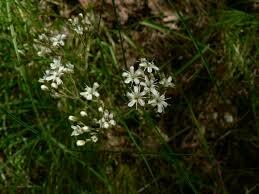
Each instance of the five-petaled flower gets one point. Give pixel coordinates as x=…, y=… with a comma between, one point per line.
x=58, y=40
x=136, y=97
x=90, y=92
x=158, y=101
x=167, y=82
x=132, y=75
x=149, y=65
x=149, y=84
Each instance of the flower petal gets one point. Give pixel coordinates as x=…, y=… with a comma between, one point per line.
x=131, y=103
x=141, y=102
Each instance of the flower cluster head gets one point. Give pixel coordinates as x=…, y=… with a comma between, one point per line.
x=80, y=23
x=53, y=75
x=89, y=133
x=96, y=119
x=147, y=86
x=79, y=128
x=106, y=120
x=46, y=43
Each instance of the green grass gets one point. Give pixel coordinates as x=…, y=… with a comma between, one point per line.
x=213, y=59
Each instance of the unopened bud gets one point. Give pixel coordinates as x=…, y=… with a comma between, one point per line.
x=83, y=113
x=44, y=88
x=72, y=118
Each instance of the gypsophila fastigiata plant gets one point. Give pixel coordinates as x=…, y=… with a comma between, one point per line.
x=59, y=81
x=146, y=86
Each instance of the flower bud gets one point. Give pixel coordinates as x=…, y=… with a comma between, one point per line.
x=54, y=85
x=83, y=113
x=72, y=118
x=44, y=88
x=80, y=142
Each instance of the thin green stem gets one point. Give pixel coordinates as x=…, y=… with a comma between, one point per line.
x=119, y=30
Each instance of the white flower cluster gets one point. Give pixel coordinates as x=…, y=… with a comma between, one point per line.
x=45, y=44
x=54, y=74
x=146, y=85
x=80, y=23
x=92, y=118
x=105, y=120
x=80, y=128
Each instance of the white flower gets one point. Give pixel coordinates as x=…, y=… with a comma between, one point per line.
x=80, y=142
x=167, y=82
x=76, y=26
x=43, y=40
x=94, y=138
x=43, y=37
x=44, y=88
x=81, y=15
x=78, y=130
x=73, y=21
x=56, y=64
x=85, y=128
x=54, y=85
x=100, y=109
x=90, y=92
x=228, y=117
x=148, y=65
x=41, y=80
x=53, y=76
x=79, y=24
x=56, y=95
x=149, y=84
x=42, y=50
x=132, y=75
x=83, y=113
x=56, y=71
x=136, y=97
x=58, y=40
x=158, y=101
x=215, y=115
x=69, y=68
